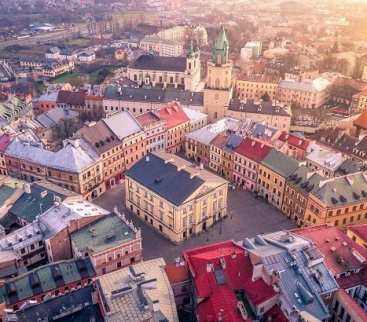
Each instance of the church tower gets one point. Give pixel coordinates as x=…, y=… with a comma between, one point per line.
x=193, y=68
x=218, y=87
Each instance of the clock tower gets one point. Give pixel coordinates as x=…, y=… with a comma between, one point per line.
x=218, y=87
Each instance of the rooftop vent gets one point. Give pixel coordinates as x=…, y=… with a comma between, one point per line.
x=342, y=198
x=158, y=180
x=334, y=201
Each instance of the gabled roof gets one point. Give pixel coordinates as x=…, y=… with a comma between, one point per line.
x=161, y=63
x=344, y=190
x=253, y=149
x=162, y=177
x=71, y=98
x=293, y=140
x=99, y=136
x=218, y=270
x=123, y=124
x=147, y=119
x=280, y=163
x=46, y=278
x=75, y=156
x=30, y=205
x=157, y=95
x=173, y=114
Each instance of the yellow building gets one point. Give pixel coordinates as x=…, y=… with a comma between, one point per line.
x=218, y=88
x=339, y=201
x=256, y=86
x=274, y=169
x=175, y=197
x=358, y=233
x=360, y=101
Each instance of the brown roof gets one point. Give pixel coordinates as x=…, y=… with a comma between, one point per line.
x=71, y=98
x=361, y=121
x=177, y=273
x=147, y=118
x=99, y=136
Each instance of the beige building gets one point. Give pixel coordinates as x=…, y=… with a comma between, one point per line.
x=305, y=93
x=256, y=86
x=138, y=293
x=360, y=101
x=339, y=201
x=75, y=167
x=175, y=197
x=166, y=72
x=218, y=88
x=274, y=169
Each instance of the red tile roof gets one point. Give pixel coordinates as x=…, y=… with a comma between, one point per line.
x=177, y=273
x=341, y=253
x=361, y=121
x=352, y=306
x=173, y=114
x=293, y=140
x=360, y=230
x=253, y=149
x=4, y=142
x=232, y=263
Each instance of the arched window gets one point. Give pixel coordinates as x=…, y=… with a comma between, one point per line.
x=217, y=83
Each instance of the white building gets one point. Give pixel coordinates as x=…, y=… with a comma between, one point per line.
x=252, y=49
x=162, y=47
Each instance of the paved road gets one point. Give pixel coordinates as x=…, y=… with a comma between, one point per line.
x=247, y=217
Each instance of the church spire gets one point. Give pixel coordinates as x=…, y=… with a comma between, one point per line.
x=221, y=48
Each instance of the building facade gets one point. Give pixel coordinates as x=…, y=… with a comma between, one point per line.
x=218, y=88
x=178, y=214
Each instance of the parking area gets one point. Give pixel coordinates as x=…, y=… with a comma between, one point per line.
x=247, y=217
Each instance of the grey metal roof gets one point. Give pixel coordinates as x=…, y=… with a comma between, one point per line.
x=303, y=275
x=52, y=117
x=154, y=95
x=262, y=108
x=123, y=124
x=161, y=63
x=164, y=179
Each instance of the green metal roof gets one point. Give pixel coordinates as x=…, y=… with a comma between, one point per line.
x=5, y=193
x=221, y=48
x=30, y=205
x=70, y=271
x=107, y=232
x=280, y=163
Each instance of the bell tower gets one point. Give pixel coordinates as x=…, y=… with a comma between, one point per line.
x=218, y=86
